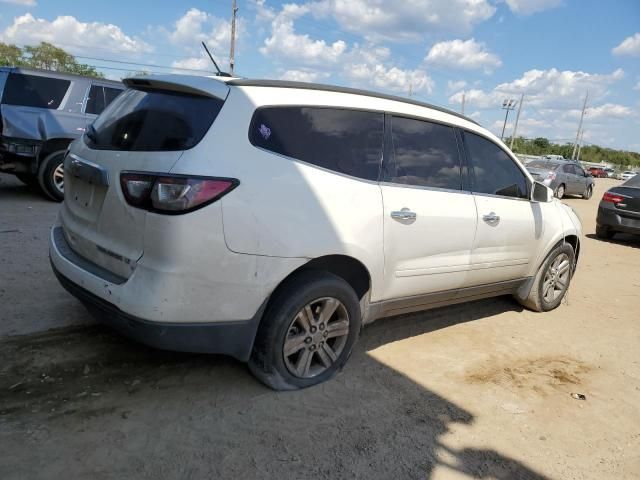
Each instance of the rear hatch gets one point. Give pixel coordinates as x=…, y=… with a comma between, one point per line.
x=146, y=129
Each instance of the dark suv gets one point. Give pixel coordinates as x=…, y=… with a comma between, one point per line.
x=41, y=112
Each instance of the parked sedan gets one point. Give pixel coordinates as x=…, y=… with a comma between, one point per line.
x=619, y=209
x=598, y=172
x=627, y=175
x=564, y=178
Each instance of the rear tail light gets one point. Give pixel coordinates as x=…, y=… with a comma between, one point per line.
x=612, y=197
x=173, y=194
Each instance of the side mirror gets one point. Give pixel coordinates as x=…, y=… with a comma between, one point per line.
x=541, y=193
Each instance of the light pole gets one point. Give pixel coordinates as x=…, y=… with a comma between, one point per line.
x=507, y=104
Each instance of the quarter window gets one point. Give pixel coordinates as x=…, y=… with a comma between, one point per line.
x=424, y=154
x=34, y=91
x=345, y=141
x=494, y=171
x=99, y=98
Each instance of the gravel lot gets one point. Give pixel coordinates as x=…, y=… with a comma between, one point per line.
x=472, y=391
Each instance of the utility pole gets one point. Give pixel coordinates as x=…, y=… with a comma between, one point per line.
x=580, y=145
x=232, y=61
x=584, y=107
x=507, y=104
x=410, y=88
x=515, y=127
x=462, y=106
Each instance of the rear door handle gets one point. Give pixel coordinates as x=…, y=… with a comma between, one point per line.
x=404, y=214
x=491, y=218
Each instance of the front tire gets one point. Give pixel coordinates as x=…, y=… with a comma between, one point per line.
x=588, y=192
x=308, y=332
x=51, y=176
x=552, y=281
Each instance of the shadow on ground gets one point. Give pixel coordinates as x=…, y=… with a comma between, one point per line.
x=624, y=239
x=87, y=403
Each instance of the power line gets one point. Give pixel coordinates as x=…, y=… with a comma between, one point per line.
x=142, y=64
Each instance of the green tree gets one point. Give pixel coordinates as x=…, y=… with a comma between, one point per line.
x=10, y=55
x=50, y=57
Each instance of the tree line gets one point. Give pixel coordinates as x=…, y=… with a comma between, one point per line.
x=46, y=57
x=588, y=153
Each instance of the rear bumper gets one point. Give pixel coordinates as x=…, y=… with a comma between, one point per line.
x=608, y=217
x=233, y=338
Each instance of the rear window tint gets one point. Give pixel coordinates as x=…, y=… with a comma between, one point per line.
x=153, y=120
x=345, y=141
x=34, y=91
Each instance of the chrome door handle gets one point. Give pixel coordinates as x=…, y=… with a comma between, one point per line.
x=491, y=218
x=404, y=214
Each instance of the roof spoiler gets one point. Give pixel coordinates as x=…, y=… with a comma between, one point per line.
x=207, y=86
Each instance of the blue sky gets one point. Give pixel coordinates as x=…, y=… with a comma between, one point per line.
x=553, y=51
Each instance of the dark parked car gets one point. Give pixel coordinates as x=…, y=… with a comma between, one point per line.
x=619, y=210
x=598, y=172
x=563, y=177
x=41, y=112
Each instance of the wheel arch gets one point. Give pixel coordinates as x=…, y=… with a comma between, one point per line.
x=52, y=145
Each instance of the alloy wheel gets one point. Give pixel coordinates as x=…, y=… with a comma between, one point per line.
x=316, y=337
x=58, y=178
x=556, y=278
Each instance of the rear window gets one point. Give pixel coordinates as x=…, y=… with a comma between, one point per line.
x=153, y=120
x=344, y=141
x=34, y=91
x=538, y=164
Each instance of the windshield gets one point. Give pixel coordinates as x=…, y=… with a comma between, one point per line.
x=153, y=120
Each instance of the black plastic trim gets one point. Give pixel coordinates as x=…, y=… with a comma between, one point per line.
x=416, y=303
x=233, y=338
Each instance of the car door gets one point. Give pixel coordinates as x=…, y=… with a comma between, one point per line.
x=509, y=225
x=581, y=179
x=429, y=220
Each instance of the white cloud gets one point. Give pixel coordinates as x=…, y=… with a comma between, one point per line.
x=187, y=66
x=393, y=78
x=24, y=3
x=609, y=110
x=306, y=75
x=629, y=46
x=72, y=35
x=284, y=42
x=197, y=26
x=527, y=7
x=546, y=88
x=463, y=54
x=637, y=87
x=405, y=20
x=453, y=86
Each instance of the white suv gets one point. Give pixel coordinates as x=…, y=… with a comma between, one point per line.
x=269, y=220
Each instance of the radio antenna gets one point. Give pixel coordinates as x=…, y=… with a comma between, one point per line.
x=220, y=72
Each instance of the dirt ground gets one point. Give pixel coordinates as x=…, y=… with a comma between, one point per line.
x=481, y=390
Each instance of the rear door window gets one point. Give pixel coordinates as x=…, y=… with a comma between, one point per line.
x=153, y=120
x=493, y=171
x=99, y=98
x=34, y=91
x=344, y=141
x=424, y=154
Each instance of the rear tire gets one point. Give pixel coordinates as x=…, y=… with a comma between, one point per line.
x=27, y=178
x=308, y=331
x=588, y=192
x=50, y=176
x=552, y=281
x=559, y=193
x=604, y=233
